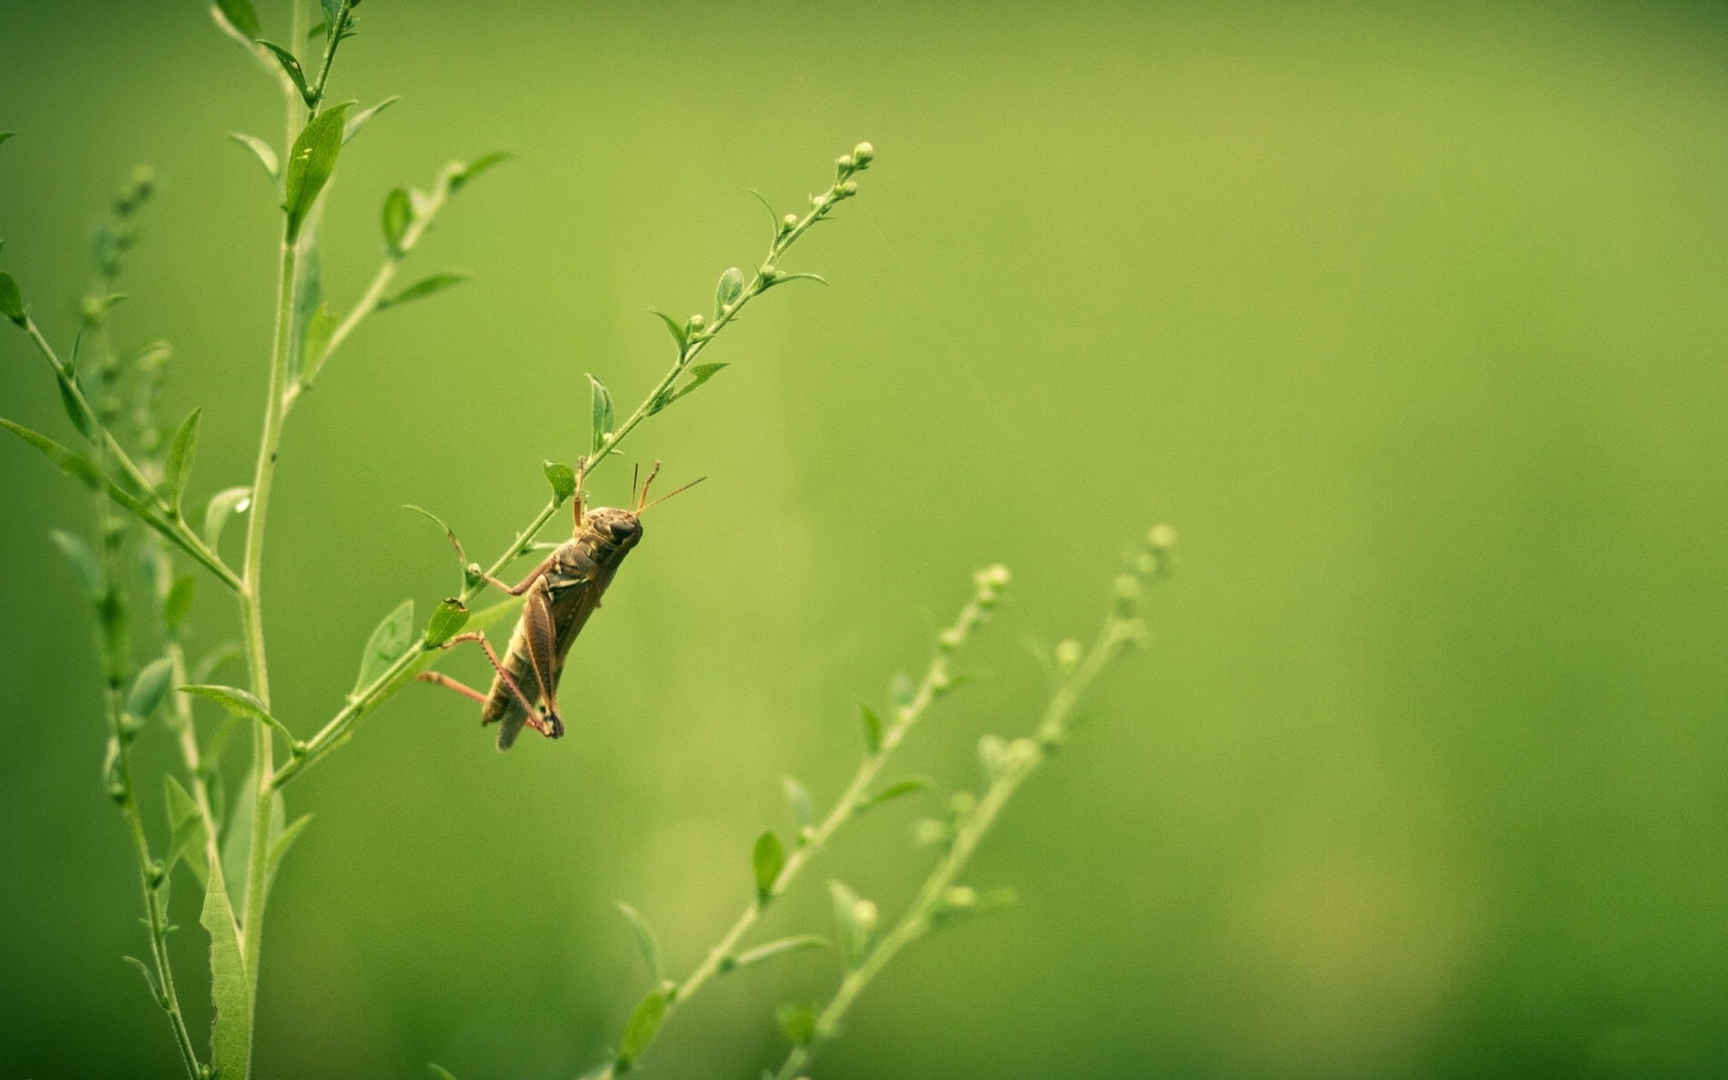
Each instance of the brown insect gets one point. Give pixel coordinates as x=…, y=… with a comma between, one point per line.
x=563, y=592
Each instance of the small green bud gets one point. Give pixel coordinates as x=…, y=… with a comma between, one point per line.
x=848, y=188
x=951, y=638
x=1068, y=655
x=768, y=273
x=1161, y=538
x=697, y=322
x=788, y=223
x=863, y=153
x=865, y=915
x=962, y=803
x=844, y=164
x=940, y=680
x=117, y=791
x=155, y=873
x=960, y=896
x=819, y=201
x=929, y=831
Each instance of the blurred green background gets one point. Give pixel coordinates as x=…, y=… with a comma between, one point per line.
x=1410, y=317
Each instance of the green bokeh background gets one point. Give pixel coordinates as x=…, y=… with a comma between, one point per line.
x=1411, y=318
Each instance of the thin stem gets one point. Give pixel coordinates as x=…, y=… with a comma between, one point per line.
x=332, y=38
x=1022, y=759
x=851, y=802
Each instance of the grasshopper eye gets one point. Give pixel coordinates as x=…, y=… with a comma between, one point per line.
x=625, y=530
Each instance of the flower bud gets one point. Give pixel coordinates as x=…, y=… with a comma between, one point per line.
x=863, y=153
x=848, y=188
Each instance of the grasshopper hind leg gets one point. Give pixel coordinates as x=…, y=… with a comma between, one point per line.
x=547, y=723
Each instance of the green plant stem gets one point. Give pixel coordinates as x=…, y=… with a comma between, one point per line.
x=929, y=903
x=164, y=518
x=850, y=804
x=332, y=38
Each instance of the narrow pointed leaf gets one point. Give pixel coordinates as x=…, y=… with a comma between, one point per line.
x=773, y=215
x=149, y=979
x=149, y=687
x=263, y=151
x=849, y=917
x=390, y=639
x=397, y=216
x=798, y=799
x=797, y=1023
x=11, y=301
x=241, y=703
x=782, y=947
x=699, y=374
x=360, y=119
x=224, y=503
x=231, y=1034
x=178, y=602
x=315, y=339
x=78, y=553
x=450, y=617
x=4, y=135
x=186, y=831
x=426, y=286
x=439, y=1072
x=872, y=728
x=728, y=289
x=895, y=791
x=180, y=455
x=645, y=941
x=766, y=859
x=71, y=462
x=291, y=65
x=279, y=847
x=473, y=169
x=677, y=329
x=310, y=164
x=901, y=691
x=600, y=413
x=639, y=1032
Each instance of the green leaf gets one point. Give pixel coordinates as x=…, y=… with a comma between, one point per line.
x=359, y=119
x=562, y=478
x=439, y=1072
x=766, y=859
x=783, y=278
x=798, y=798
x=425, y=287
x=78, y=553
x=855, y=917
x=4, y=135
x=11, y=300
x=901, y=690
x=180, y=454
x=797, y=1023
x=73, y=401
x=450, y=616
x=728, y=289
x=993, y=755
x=469, y=170
x=600, y=402
x=228, y=501
x=187, y=840
x=677, y=329
x=71, y=462
x=773, y=215
x=310, y=164
x=895, y=791
x=283, y=840
x=332, y=11
x=645, y=941
x=231, y=1034
x=149, y=687
x=872, y=728
x=240, y=16
x=291, y=65
x=240, y=703
x=699, y=374
x=390, y=639
x=261, y=150
x=768, y=951
x=398, y=215
x=178, y=602
x=315, y=338
x=639, y=1032
x=149, y=980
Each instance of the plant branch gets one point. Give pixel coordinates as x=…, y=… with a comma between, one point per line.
x=853, y=800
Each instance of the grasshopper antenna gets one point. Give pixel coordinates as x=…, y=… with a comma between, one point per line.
x=576, y=501
x=635, y=470
x=643, y=497
x=644, y=509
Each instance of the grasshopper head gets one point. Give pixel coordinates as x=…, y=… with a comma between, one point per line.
x=620, y=528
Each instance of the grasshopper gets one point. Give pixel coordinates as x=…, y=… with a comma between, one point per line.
x=563, y=592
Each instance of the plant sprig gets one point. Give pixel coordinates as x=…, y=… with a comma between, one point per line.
x=1008, y=765
x=913, y=701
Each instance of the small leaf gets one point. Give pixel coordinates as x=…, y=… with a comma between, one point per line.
x=425, y=287
x=699, y=374
x=470, y=170
x=390, y=639
x=677, y=328
x=11, y=301
x=639, y=1032
x=279, y=847
x=187, y=840
x=562, y=478
x=291, y=65
x=901, y=691
x=215, y=658
x=4, y=135
x=71, y=462
x=73, y=401
x=180, y=455
x=797, y=1023
x=231, y=1034
x=359, y=119
x=332, y=11
x=149, y=980
x=178, y=602
x=78, y=553
x=262, y=150
x=241, y=16
x=782, y=278
x=241, y=703
x=896, y=790
x=855, y=917
x=993, y=755
x=773, y=215
x=310, y=164
x=600, y=413
x=798, y=799
x=782, y=947
x=645, y=941
x=872, y=728
x=398, y=215
x=449, y=617
x=228, y=501
x=149, y=687
x=439, y=1072
x=729, y=288
x=766, y=859
x=315, y=339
